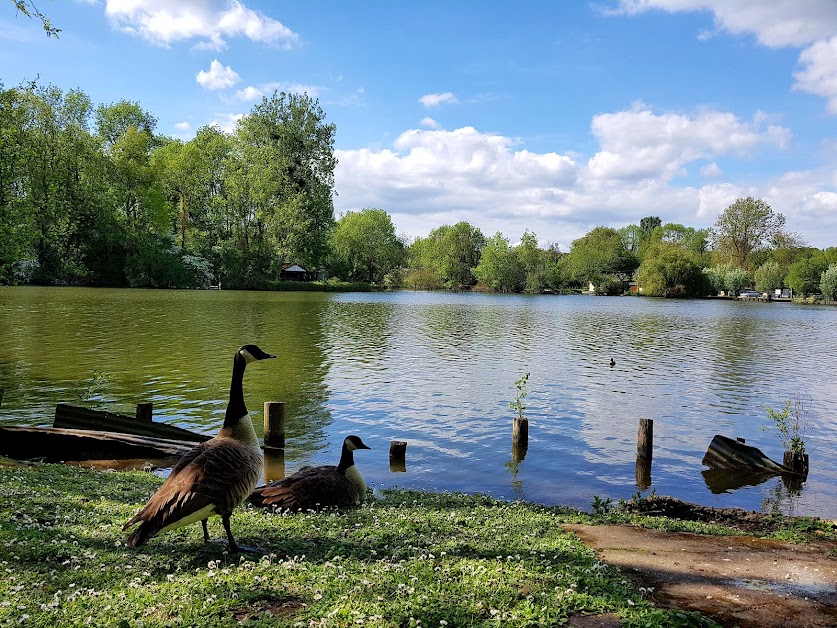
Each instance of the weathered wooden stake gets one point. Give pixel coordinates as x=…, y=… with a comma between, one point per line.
x=520, y=433
x=274, y=423
x=145, y=411
x=274, y=464
x=645, y=439
x=796, y=462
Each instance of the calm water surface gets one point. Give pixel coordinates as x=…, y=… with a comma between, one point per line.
x=438, y=370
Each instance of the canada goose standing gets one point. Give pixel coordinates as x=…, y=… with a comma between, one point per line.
x=311, y=488
x=215, y=476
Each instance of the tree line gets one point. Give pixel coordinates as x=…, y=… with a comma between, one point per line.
x=92, y=195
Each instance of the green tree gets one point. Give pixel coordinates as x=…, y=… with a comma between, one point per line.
x=828, y=283
x=746, y=226
x=283, y=175
x=533, y=262
x=365, y=242
x=805, y=274
x=28, y=8
x=449, y=254
x=499, y=268
x=179, y=166
x=727, y=277
x=769, y=276
x=669, y=270
x=599, y=253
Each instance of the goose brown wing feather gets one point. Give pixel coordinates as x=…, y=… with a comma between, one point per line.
x=308, y=489
x=220, y=473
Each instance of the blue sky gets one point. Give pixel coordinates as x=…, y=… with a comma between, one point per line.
x=550, y=116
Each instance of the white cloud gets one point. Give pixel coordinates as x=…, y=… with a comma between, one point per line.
x=251, y=92
x=163, y=22
x=429, y=177
x=777, y=24
x=711, y=171
x=183, y=126
x=226, y=121
x=217, y=77
x=429, y=122
x=434, y=100
x=819, y=76
x=639, y=144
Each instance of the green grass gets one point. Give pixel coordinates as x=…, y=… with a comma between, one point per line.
x=411, y=559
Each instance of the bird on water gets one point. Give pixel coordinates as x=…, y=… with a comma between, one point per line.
x=612, y=362
x=312, y=488
x=212, y=478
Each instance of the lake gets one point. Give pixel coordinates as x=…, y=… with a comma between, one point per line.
x=438, y=370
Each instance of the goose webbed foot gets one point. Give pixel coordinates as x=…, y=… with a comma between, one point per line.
x=234, y=547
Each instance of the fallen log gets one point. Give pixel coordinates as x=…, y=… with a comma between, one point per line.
x=76, y=418
x=734, y=455
x=59, y=445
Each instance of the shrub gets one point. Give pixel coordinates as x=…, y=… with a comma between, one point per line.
x=828, y=283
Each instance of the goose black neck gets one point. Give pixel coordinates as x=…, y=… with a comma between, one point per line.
x=236, y=408
x=347, y=459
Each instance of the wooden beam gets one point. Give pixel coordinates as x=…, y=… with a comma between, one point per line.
x=73, y=417
x=58, y=445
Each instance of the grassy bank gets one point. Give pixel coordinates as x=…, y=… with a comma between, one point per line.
x=411, y=559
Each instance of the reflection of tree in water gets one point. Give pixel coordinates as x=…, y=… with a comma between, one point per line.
x=512, y=465
x=784, y=497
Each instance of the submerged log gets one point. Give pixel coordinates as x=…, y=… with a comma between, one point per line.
x=731, y=454
x=59, y=445
x=75, y=418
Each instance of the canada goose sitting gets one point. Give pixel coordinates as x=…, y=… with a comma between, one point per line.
x=312, y=488
x=612, y=362
x=215, y=476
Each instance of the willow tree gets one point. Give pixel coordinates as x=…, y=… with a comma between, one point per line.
x=746, y=226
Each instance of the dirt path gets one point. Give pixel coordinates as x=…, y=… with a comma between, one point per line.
x=737, y=580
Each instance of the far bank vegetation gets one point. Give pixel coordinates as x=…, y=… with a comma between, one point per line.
x=93, y=195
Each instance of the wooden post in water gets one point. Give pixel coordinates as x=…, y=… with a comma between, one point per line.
x=645, y=439
x=397, y=456
x=2, y=390
x=145, y=411
x=520, y=438
x=274, y=423
x=796, y=462
x=520, y=433
x=644, y=451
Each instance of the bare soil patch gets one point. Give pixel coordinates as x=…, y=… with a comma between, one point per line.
x=737, y=580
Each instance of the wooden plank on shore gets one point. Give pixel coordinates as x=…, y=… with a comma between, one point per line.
x=729, y=453
x=76, y=418
x=58, y=445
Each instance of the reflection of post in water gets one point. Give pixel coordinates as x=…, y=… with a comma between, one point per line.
x=519, y=451
x=643, y=473
x=397, y=456
x=274, y=464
